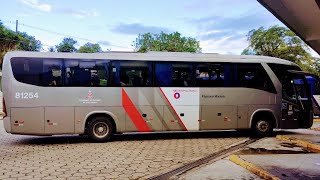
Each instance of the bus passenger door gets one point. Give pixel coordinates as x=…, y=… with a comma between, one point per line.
x=296, y=102
x=59, y=120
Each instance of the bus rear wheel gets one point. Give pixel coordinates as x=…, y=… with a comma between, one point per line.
x=100, y=129
x=262, y=127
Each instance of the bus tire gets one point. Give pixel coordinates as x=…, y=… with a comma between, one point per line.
x=262, y=127
x=100, y=129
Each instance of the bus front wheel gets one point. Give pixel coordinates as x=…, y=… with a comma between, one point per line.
x=262, y=127
x=100, y=129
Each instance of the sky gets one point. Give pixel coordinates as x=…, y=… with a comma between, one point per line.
x=221, y=26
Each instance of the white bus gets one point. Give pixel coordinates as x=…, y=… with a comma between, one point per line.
x=106, y=93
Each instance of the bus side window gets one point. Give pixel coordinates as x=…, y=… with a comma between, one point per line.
x=210, y=75
x=253, y=75
x=52, y=72
x=182, y=75
x=131, y=73
x=86, y=73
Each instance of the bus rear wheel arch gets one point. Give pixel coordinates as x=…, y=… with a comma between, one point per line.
x=263, y=123
x=100, y=128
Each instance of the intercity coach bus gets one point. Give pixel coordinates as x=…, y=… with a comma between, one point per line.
x=116, y=92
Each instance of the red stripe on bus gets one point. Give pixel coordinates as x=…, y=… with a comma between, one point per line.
x=184, y=127
x=133, y=113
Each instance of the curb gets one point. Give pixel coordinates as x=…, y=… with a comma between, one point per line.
x=315, y=129
x=308, y=145
x=251, y=167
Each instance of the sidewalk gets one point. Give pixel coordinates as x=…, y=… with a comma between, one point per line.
x=279, y=158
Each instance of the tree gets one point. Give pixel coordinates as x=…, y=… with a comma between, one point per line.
x=52, y=49
x=90, y=48
x=282, y=43
x=67, y=45
x=28, y=43
x=8, y=40
x=173, y=42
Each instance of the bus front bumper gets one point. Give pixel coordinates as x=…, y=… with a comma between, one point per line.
x=6, y=124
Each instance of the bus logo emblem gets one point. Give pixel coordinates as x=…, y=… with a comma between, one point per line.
x=89, y=95
x=90, y=99
x=176, y=95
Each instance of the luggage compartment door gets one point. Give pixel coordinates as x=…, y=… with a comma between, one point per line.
x=218, y=117
x=27, y=120
x=59, y=120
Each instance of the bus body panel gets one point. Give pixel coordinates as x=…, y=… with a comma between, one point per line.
x=243, y=119
x=6, y=124
x=59, y=120
x=218, y=117
x=28, y=120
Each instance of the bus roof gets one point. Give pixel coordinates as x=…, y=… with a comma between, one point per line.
x=153, y=56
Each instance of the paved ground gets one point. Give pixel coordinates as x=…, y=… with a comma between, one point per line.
x=222, y=169
x=127, y=157
x=282, y=159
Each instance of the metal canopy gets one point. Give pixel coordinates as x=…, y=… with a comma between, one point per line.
x=301, y=16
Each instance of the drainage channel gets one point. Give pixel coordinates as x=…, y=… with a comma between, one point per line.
x=189, y=166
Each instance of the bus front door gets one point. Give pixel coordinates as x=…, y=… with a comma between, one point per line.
x=296, y=103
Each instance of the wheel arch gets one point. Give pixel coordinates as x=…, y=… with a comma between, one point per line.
x=108, y=114
x=260, y=112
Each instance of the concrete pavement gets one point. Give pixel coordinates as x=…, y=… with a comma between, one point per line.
x=134, y=156
x=281, y=159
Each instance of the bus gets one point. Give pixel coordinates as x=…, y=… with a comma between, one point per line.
x=314, y=83
x=102, y=94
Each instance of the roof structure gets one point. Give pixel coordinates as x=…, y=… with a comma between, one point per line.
x=301, y=16
x=152, y=56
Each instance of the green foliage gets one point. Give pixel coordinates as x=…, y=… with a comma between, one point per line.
x=282, y=43
x=52, y=49
x=67, y=45
x=173, y=42
x=10, y=41
x=90, y=48
x=28, y=43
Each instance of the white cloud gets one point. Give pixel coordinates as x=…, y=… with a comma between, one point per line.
x=37, y=5
x=84, y=13
x=80, y=13
x=225, y=45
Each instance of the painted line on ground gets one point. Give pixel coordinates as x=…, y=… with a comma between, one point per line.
x=316, y=120
x=308, y=145
x=252, y=168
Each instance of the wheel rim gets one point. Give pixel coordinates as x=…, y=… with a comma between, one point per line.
x=101, y=129
x=263, y=126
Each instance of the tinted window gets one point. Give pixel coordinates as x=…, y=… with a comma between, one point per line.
x=59, y=72
x=86, y=73
x=281, y=70
x=212, y=75
x=131, y=73
x=252, y=76
x=40, y=72
x=174, y=74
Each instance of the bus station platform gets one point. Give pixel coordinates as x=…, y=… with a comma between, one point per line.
x=269, y=158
